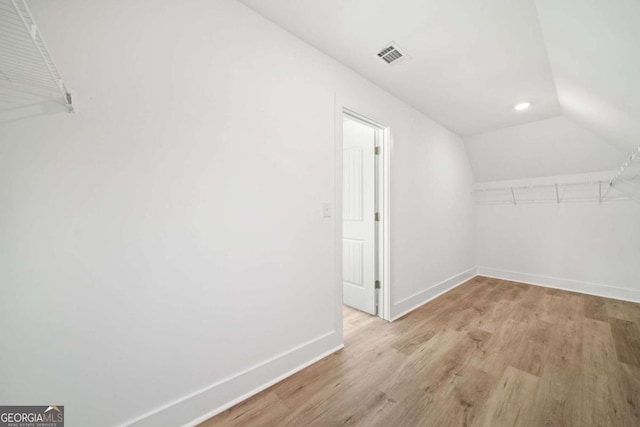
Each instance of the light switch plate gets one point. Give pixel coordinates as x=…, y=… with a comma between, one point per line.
x=326, y=210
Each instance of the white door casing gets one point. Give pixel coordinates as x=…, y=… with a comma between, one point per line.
x=359, y=226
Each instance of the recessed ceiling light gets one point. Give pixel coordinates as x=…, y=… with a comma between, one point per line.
x=522, y=106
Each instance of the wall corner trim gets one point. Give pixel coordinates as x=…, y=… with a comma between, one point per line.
x=418, y=299
x=197, y=407
x=589, y=288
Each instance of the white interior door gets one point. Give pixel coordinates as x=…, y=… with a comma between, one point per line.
x=359, y=226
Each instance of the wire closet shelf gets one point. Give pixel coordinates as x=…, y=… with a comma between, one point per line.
x=627, y=180
x=625, y=185
x=28, y=73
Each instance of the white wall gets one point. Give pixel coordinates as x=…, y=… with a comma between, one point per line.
x=164, y=247
x=543, y=148
x=585, y=247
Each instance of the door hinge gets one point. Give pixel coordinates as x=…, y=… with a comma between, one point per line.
x=377, y=150
x=377, y=216
x=377, y=284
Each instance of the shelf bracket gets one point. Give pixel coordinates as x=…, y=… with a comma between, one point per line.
x=600, y=192
x=23, y=12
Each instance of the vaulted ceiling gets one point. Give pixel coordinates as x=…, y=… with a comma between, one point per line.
x=471, y=61
x=594, y=49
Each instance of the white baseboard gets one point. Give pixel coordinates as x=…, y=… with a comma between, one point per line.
x=589, y=288
x=203, y=404
x=408, y=304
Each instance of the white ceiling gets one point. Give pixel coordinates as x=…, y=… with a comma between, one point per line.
x=471, y=60
x=594, y=48
x=577, y=61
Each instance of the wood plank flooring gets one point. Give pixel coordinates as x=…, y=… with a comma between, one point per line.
x=487, y=353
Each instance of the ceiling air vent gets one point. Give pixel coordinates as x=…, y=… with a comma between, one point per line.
x=392, y=54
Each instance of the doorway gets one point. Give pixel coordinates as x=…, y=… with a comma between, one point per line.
x=364, y=214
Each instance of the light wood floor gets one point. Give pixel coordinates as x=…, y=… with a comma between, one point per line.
x=488, y=353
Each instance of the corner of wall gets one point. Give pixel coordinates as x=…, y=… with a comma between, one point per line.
x=416, y=300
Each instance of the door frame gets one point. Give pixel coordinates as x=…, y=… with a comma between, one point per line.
x=383, y=185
